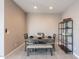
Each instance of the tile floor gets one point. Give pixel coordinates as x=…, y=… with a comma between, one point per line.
x=58, y=54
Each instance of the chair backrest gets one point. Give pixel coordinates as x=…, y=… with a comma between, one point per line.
x=49, y=37
x=26, y=36
x=54, y=37
x=41, y=35
x=31, y=37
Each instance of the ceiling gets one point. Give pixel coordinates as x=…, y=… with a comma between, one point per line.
x=43, y=5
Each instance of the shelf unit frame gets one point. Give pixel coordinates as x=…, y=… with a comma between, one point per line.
x=63, y=38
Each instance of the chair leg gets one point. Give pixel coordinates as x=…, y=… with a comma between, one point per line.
x=25, y=46
x=51, y=51
x=46, y=50
x=54, y=47
x=28, y=52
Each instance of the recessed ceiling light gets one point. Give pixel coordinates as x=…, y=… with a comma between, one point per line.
x=35, y=7
x=50, y=7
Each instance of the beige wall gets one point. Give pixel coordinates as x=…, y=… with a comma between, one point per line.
x=15, y=24
x=46, y=23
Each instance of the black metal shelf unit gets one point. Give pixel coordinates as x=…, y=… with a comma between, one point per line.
x=65, y=35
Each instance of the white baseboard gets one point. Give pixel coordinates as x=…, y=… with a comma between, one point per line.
x=14, y=50
x=76, y=55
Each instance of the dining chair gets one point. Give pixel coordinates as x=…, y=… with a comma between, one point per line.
x=25, y=37
x=54, y=39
